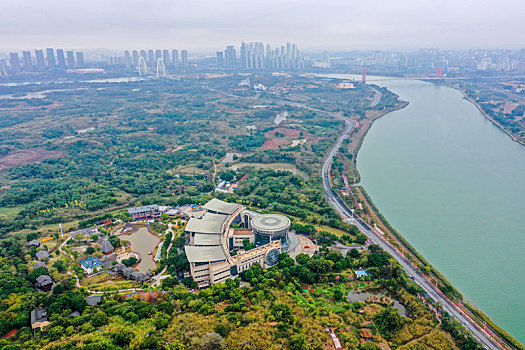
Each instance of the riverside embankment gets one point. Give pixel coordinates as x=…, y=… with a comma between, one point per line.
x=452, y=184
x=488, y=116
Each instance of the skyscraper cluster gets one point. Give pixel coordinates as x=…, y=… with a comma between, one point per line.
x=132, y=59
x=450, y=61
x=256, y=55
x=40, y=64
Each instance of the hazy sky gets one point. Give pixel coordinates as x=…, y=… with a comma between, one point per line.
x=208, y=25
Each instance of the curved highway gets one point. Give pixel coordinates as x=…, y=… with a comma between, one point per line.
x=342, y=209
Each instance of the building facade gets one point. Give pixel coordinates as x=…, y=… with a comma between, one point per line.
x=215, y=248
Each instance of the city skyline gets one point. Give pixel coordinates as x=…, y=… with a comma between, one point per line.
x=206, y=26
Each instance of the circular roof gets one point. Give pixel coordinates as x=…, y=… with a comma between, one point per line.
x=271, y=222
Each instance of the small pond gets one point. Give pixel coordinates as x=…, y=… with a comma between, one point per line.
x=143, y=243
x=361, y=296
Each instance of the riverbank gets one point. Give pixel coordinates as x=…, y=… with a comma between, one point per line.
x=473, y=312
x=362, y=128
x=482, y=111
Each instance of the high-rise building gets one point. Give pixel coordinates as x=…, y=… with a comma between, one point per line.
x=14, y=62
x=184, y=55
x=60, y=58
x=244, y=55
x=40, y=63
x=230, y=56
x=70, y=58
x=127, y=59
x=28, y=62
x=175, y=56
x=80, y=59
x=50, y=57
x=166, y=57
x=257, y=55
x=151, y=58
x=220, y=59
x=326, y=58
x=158, y=55
x=135, y=58
x=3, y=69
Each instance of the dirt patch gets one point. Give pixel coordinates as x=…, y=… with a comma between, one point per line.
x=288, y=133
x=27, y=156
x=273, y=143
x=508, y=107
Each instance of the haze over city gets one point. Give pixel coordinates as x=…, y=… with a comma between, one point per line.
x=204, y=26
x=284, y=174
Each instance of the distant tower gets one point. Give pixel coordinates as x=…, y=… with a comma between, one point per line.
x=127, y=59
x=60, y=58
x=326, y=59
x=151, y=58
x=363, y=77
x=50, y=57
x=80, y=59
x=175, y=55
x=166, y=57
x=438, y=74
x=184, y=55
x=28, y=62
x=230, y=56
x=135, y=58
x=70, y=59
x=40, y=62
x=14, y=61
x=220, y=59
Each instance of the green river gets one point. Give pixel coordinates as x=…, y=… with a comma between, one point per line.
x=453, y=185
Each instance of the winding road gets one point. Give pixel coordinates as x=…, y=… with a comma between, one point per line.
x=342, y=209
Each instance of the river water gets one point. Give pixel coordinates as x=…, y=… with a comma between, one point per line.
x=453, y=184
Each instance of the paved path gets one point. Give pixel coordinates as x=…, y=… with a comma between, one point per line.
x=377, y=97
x=157, y=279
x=341, y=208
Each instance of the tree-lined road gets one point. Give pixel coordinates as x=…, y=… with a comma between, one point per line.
x=342, y=209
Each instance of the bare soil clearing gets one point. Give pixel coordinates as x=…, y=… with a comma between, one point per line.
x=26, y=156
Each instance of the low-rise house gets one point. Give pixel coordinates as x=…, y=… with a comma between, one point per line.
x=42, y=255
x=39, y=318
x=39, y=265
x=144, y=212
x=93, y=300
x=106, y=246
x=44, y=282
x=34, y=243
x=86, y=234
x=130, y=273
x=91, y=265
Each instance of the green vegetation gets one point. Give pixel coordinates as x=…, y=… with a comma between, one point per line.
x=285, y=307
x=503, y=101
x=163, y=142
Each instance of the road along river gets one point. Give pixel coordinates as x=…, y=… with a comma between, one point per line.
x=346, y=214
x=453, y=185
